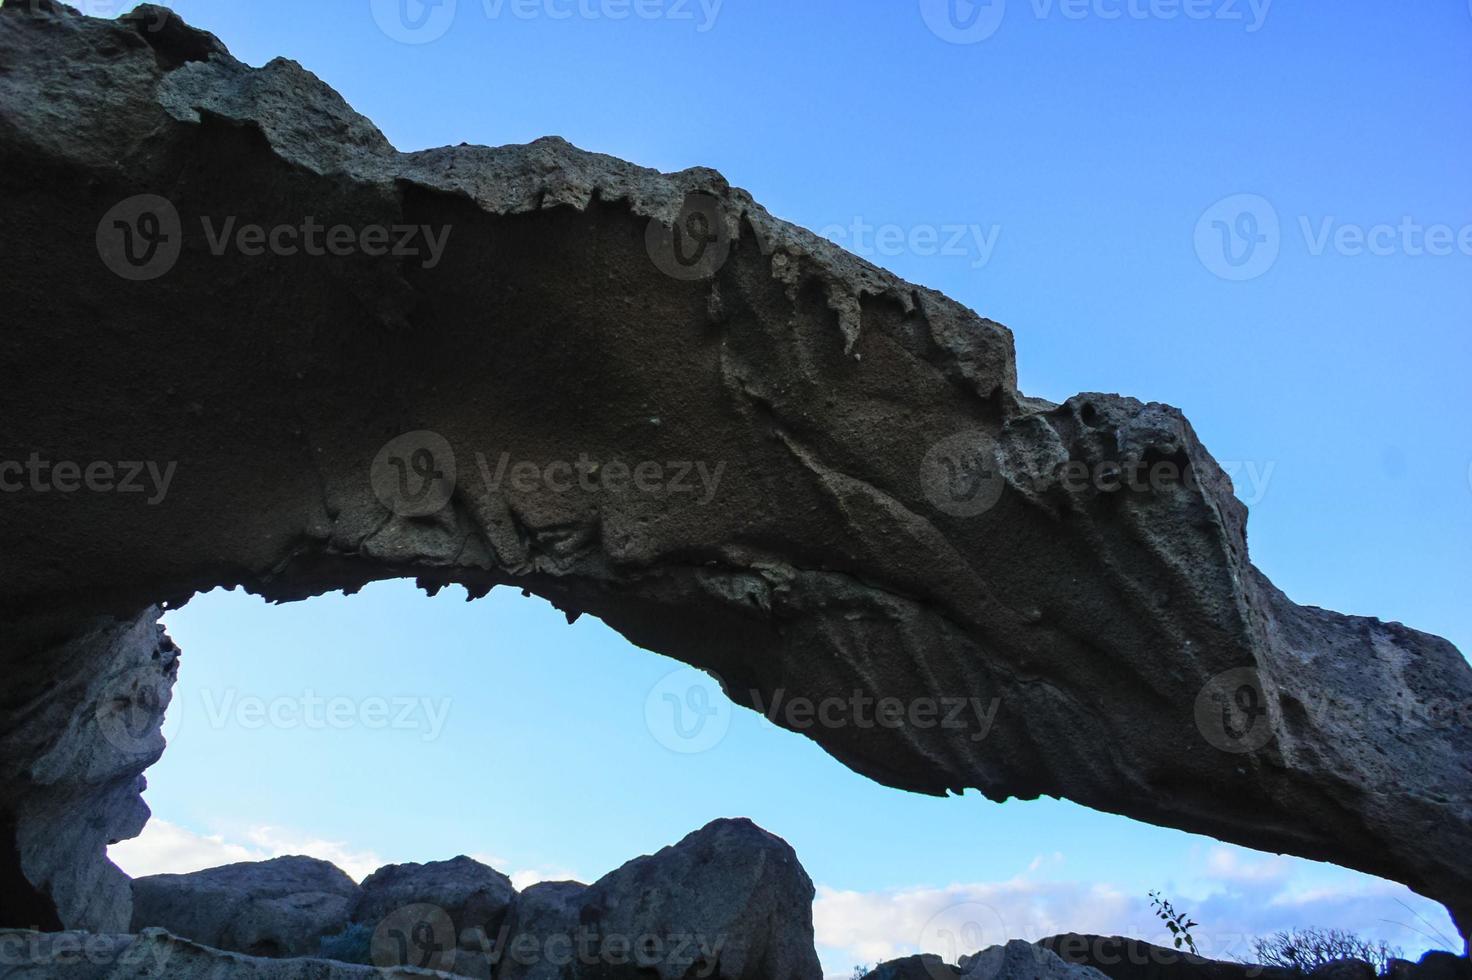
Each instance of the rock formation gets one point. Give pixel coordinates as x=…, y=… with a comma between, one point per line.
x=730, y=902
x=476, y=898
x=262, y=347
x=1016, y=960
x=1120, y=958
x=280, y=907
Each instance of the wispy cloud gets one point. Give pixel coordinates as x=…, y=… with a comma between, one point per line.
x=1236, y=895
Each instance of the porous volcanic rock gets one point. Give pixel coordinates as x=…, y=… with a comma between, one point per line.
x=281, y=907
x=729, y=901
x=750, y=450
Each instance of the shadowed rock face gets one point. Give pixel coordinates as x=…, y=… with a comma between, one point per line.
x=882, y=513
x=280, y=907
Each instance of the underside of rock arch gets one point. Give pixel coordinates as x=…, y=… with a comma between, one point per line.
x=307, y=422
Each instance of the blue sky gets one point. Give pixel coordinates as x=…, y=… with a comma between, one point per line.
x=1237, y=212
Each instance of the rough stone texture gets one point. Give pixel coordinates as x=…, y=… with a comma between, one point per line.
x=280, y=907
x=927, y=966
x=729, y=902
x=79, y=722
x=473, y=895
x=1132, y=959
x=543, y=913
x=156, y=955
x=833, y=557
x=1022, y=960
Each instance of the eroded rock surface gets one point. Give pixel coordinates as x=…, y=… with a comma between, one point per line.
x=281, y=907
x=882, y=513
x=80, y=720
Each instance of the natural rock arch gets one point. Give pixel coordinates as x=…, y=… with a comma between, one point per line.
x=291, y=393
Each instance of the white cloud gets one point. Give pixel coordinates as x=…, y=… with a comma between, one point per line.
x=1238, y=895
x=276, y=842
x=166, y=848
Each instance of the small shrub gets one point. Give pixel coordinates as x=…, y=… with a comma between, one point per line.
x=1305, y=949
x=1179, y=923
x=350, y=946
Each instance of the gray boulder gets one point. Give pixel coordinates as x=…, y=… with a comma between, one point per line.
x=1021, y=960
x=729, y=902
x=281, y=907
x=473, y=895
x=927, y=966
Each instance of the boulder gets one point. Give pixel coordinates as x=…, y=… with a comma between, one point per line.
x=1022, y=960
x=281, y=907
x=474, y=896
x=853, y=499
x=730, y=902
x=926, y=966
x=1120, y=958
